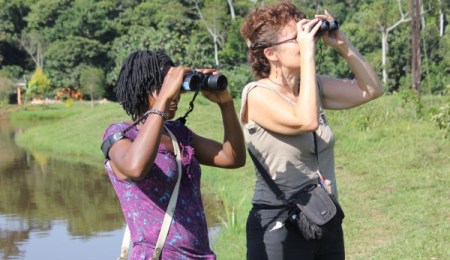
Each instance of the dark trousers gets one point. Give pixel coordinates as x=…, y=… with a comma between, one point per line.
x=268, y=238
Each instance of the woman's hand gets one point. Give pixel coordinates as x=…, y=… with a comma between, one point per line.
x=216, y=96
x=306, y=31
x=172, y=83
x=231, y=152
x=334, y=38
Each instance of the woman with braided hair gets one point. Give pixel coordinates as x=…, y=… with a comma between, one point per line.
x=141, y=163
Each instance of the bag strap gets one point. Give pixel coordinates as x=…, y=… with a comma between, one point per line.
x=172, y=203
x=316, y=153
x=169, y=212
x=125, y=244
x=321, y=178
x=273, y=186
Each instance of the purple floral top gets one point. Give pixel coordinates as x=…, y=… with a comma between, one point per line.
x=144, y=202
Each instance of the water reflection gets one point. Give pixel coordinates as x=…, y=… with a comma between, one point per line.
x=39, y=195
x=52, y=209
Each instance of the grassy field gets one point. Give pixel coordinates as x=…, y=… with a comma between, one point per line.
x=392, y=165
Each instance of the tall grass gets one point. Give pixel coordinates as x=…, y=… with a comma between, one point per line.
x=392, y=165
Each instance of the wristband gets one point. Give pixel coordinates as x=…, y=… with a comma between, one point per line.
x=156, y=112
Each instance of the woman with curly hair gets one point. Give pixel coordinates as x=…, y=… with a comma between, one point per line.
x=279, y=114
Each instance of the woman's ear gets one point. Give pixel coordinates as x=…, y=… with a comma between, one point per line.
x=270, y=54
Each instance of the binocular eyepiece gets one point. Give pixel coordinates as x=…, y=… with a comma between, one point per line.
x=196, y=80
x=327, y=26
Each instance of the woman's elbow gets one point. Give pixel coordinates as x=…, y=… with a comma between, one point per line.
x=379, y=92
x=311, y=126
x=240, y=161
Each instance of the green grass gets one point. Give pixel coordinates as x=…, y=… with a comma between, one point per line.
x=393, y=171
x=392, y=165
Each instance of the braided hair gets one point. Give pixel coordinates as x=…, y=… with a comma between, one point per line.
x=141, y=74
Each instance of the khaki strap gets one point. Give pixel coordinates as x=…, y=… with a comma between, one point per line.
x=169, y=212
x=172, y=203
x=125, y=244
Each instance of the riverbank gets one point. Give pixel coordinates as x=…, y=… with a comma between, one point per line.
x=392, y=169
x=7, y=109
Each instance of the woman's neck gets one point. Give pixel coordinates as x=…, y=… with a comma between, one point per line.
x=285, y=86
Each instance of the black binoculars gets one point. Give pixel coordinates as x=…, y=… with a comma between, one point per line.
x=196, y=80
x=327, y=26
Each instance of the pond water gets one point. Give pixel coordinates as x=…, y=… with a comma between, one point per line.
x=53, y=209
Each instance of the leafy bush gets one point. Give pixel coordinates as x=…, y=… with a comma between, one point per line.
x=6, y=86
x=39, y=83
x=442, y=119
x=238, y=77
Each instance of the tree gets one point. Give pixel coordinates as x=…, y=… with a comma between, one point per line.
x=387, y=21
x=231, y=6
x=139, y=37
x=443, y=7
x=65, y=59
x=87, y=19
x=234, y=51
x=92, y=81
x=212, y=17
x=6, y=85
x=12, y=17
x=39, y=84
x=35, y=45
x=416, y=69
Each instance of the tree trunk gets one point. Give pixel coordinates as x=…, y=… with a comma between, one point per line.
x=441, y=20
x=416, y=69
x=384, y=50
x=385, y=29
x=216, y=51
x=230, y=4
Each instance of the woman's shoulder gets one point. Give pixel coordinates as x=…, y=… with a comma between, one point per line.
x=114, y=128
x=260, y=84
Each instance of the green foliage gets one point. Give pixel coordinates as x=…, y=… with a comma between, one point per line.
x=13, y=72
x=66, y=58
x=9, y=75
x=148, y=38
x=86, y=19
x=237, y=77
x=6, y=85
x=44, y=13
x=38, y=84
x=77, y=33
x=12, y=14
x=153, y=14
x=92, y=81
x=411, y=98
x=198, y=51
x=234, y=49
x=441, y=118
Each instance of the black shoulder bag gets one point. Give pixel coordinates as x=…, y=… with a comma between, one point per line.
x=313, y=210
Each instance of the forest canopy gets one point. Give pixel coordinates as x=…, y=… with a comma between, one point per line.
x=69, y=39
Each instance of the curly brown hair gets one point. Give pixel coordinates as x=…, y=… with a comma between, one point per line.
x=260, y=30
